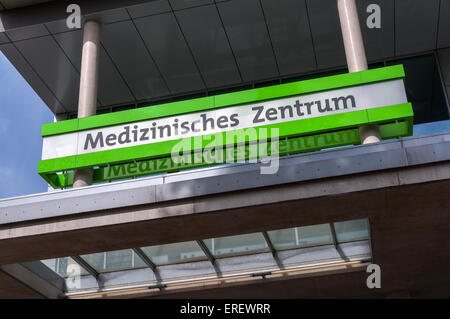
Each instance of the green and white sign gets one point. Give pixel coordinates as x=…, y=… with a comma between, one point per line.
x=325, y=111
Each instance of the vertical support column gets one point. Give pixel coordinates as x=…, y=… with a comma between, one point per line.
x=87, y=100
x=356, y=56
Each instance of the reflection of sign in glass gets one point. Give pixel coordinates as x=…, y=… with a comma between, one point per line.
x=73, y=280
x=300, y=109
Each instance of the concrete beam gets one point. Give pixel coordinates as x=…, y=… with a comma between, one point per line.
x=296, y=204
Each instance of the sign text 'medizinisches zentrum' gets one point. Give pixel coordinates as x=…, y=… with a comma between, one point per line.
x=226, y=119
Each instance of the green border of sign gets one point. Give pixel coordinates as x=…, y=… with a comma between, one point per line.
x=394, y=121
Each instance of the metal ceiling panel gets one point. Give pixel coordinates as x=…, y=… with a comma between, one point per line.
x=249, y=39
x=149, y=8
x=288, y=25
x=53, y=67
x=184, y=4
x=379, y=43
x=166, y=43
x=444, y=25
x=32, y=78
x=127, y=50
x=207, y=39
x=57, y=26
x=110, y=16
x=27, y=32
x=3, y=38
x=106, y=17
x=326, y=33
x=415, y=25
x=111, y=87
x=10, y=4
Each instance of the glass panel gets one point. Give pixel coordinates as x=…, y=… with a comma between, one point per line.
x=120, y=259
x=64, y=266
x=174, y=253
x=114, y=260
x=315, y=235
x=51, y=263
x=352, y=230
x=283, y=238
x=97, y=260
x=237, y=245
x=137, y=262
x=424, y=88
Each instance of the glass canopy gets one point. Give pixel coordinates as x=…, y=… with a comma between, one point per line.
x=212, y=249
x=174, y=253
x=305, y=236
x=114, y=260
x=236, y=245
x=65, y=266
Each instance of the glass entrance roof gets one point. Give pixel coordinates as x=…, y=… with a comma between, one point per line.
x=273, y=250
x=174, y=253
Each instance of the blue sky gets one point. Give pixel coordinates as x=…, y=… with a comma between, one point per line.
x=22, y=113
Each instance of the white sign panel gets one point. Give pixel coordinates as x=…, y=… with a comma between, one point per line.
x=294, y=108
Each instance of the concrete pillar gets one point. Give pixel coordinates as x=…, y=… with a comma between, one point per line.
x=356, y=56
x=87, y=100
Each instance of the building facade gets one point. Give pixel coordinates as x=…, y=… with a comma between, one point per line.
x=349, y=195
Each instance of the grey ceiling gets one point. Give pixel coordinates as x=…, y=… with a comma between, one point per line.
x=165, y=48
x=12, y=4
